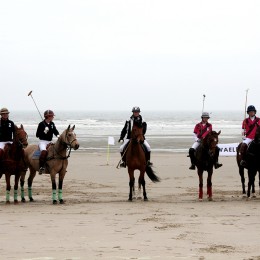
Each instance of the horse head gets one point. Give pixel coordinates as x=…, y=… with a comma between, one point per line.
x=68, y=138
x=21, y=136
x=211, y=142
x=137, y=134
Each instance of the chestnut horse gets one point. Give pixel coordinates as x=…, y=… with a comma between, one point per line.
x=57, y=162
x=136, y=160
x=253, y=164
x=205, y=157
x=13, y=161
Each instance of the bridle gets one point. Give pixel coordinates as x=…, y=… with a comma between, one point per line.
x=21, y=141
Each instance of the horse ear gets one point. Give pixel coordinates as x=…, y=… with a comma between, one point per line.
x=22, y=126
x=68, y=128
x=73, y=128
x=219, y=132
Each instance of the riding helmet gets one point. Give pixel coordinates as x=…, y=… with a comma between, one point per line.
x=48, y=113
x=205, y=115
x=251, y=108
x=136, y=109
x=4, y=110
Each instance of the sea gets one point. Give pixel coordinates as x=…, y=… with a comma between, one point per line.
x=167, y=131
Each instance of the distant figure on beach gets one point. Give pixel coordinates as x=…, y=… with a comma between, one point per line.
x=45, y=131
x=136, y=119
x=249, y=127
x=7, y=130
x=201, y=130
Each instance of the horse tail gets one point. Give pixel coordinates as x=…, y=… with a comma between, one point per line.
x=151, y=174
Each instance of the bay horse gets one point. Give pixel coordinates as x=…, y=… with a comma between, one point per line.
x=204, y=160
x=13, y=161
x=253, y=165
x=56, y=163
x=136, y=160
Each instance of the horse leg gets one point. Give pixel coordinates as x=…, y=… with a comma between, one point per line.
x=54, y=188
x=200, y=174
x=209, y=185
x=61, y=177
x=16, y=183
x=29, y=183
x=131, y=184
x=242, y=176
x=142, y=182
x=250, y=181
x=8, y=188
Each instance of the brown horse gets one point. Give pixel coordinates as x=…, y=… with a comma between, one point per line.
x=136, y=160
x=253, y=165
x=205, y=157
x=57, y=162
x=13, y=161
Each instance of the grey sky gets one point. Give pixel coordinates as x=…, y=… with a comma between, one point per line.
x=114, y=54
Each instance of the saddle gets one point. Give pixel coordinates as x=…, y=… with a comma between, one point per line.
x=37, y=153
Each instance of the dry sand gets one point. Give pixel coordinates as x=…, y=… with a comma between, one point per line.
x=97, y=221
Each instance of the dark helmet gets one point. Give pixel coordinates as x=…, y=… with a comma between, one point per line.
x=136, y=109
x=250, y=108
x=48, y=113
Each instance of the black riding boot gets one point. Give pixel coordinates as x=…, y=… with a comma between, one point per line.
x=148, y=158
x=216, y=163
x=242, y=152
x=192, y=158
x=42, y=161
x=122, y=164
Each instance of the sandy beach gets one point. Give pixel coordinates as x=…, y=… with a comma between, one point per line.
x=97, y=221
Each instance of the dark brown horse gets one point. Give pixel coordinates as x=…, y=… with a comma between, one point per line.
x=205, y=157
x=57, y=162
x=136, y=160
x=253, y=165
x=13, y=161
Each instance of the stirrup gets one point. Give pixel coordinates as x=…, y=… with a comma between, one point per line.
x=123, y=164
x=192, y=167
x=243, y=163
x=217, y=165
x=41, y=170
x=149, y=163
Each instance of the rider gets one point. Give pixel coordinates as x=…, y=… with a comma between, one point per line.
x=136, y=119
x=7, y=130
x=249, y=127
x=45, y=132
x=200, y=132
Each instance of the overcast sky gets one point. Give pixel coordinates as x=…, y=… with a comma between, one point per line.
x=114, y=54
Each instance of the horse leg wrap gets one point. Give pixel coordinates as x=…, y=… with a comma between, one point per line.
x=22, y=192
x=30, y=192
x=54, y=195
x=15, y=195
x=209, y=191
x=60, y=195
x=7, y=195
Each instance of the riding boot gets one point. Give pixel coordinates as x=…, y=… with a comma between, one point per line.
x=216, y=163
x=1, y=157
x=42, y=161
x=242, y=152
x=148, y=158
x=192, y=158
x=123, y=164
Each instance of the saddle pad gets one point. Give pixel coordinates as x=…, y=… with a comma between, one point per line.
x=36, y=155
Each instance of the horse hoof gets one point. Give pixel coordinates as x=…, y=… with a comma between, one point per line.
x=200, y=199
x=23, y=200
x=62, y=201
x=253, y=195
x=16, y=202
x=31, y=199
x=130, y=199
x=145, y=199
x=210, y=199
x=54, y=202
x=7, y=202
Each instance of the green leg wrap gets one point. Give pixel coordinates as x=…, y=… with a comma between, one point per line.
x=15, y=194
x=60, y=195
x=22, y=192
x=30, y=192
x=53, y=194
x=7, y=195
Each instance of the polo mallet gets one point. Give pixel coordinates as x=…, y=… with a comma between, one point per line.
x=203, y=102
x=30, y=94
x=122, y=156
x=245, y=110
